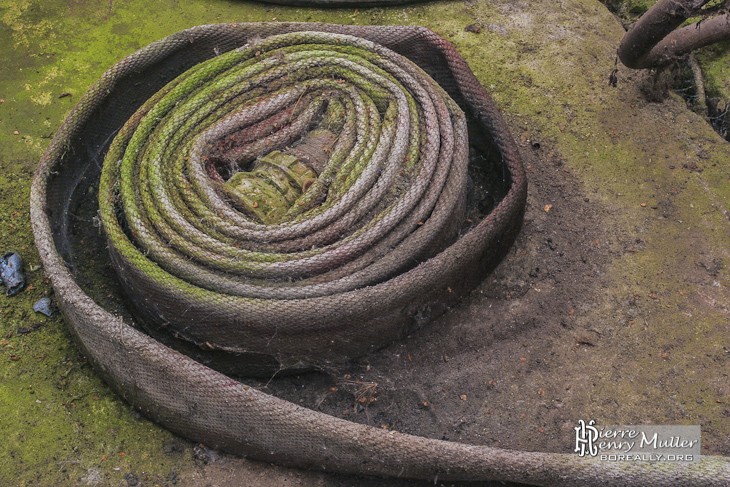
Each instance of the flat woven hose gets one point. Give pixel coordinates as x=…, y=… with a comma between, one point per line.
x=208, y=406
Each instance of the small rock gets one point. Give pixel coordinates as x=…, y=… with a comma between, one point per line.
x=93, y=477
x=132, y=480
x=43, y=305
x=11, y=273
x=204, y=454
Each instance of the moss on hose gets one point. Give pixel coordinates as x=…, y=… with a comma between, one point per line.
x=388, y=197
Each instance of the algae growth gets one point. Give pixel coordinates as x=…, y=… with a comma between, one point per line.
x=616, y=293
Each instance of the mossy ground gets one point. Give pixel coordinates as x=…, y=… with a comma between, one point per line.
x=615, y=296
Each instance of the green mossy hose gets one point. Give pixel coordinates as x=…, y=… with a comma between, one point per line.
x=386, y=199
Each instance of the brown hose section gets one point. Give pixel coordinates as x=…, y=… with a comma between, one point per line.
x=653, y=41
x=206, y=406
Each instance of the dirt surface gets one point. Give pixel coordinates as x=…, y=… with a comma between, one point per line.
x=548, y=338
x=612, y=305
x=543, y=341
x=485, y=373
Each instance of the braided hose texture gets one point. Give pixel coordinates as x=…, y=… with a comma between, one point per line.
x=205, y=405
x=298, y=290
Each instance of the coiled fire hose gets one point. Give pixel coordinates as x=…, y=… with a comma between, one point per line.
x=207, y=406
x=269, y=190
